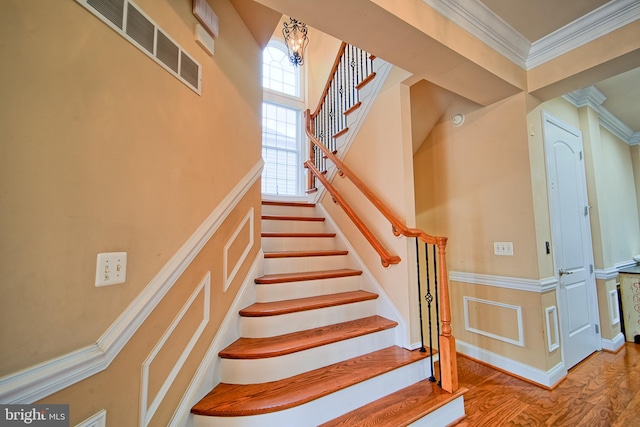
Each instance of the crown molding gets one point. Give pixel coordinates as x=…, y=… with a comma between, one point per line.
x=607, y=18
x=592, y=97
x=475, y=18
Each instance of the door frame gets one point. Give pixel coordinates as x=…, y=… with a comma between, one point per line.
x=592, y=286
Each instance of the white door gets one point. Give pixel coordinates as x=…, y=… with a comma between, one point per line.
x=571, y=234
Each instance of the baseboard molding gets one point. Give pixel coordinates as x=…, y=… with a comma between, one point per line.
x=515, y=283
x=614, y=344
x=207, y=376
x=39, y=381
x=544, y=378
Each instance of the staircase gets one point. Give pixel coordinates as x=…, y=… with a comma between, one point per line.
x=313, y=349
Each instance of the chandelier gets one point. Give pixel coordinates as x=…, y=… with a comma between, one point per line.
x=295, y=37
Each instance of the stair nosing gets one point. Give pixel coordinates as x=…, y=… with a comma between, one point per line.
x=306, y=304
x=288, y=204
x=269, y=279
x=296, y=235
x=314, y=383
x=258, y=348
x=301, y=254
x=292, y=218
x=412, y=403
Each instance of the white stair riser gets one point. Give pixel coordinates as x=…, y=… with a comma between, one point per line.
x=353, y=117
x=254, y=371
x=444, y=416
x=278, y=244
x=289, y=210
x=270, y=326
x=308, y=263
x=280, y=226
x=328, y=407
x=307, y=288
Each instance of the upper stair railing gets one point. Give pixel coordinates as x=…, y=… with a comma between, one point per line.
x=352, y=69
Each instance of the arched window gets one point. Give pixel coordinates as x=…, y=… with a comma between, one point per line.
x=278, y=74
x=281, y=123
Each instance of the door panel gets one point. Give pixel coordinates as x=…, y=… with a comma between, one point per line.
x=571, y=235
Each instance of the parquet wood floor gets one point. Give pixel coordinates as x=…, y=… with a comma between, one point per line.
x=603, y=390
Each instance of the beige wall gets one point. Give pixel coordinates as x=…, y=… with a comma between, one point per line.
x=103, y=150
x=117, y=389
x=621, y=198
x=473, y=185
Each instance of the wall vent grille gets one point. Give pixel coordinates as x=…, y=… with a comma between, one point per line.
x=140, y=28
x=113, y=10
x=167, y=52
x=189, y=69
x=128, y=20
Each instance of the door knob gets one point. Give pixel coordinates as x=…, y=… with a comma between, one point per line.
x=562, y=272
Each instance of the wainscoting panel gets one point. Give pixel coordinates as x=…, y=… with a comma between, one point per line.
x=496, y=320
x=149, y=377
x=551, y=322
x=97, y=420
x=237, y=248
x=614, y=307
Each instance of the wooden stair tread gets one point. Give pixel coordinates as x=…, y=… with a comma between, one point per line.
x=251, y=399
x=298, y=254
x=304, y=235
x=258, y=348
x=398, y=409
x=261, y=309
x=305, y=275
x=290, y=204
x=292, y=218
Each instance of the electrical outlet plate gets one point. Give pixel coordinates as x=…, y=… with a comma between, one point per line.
x=503, y=248
x=111, y=268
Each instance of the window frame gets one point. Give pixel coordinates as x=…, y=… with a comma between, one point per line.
x=283, y=99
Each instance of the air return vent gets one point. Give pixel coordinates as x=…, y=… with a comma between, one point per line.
x=113, y=10
x=167, y=52
x=139, y=29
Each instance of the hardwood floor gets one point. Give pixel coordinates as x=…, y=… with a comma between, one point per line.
x=603, y=390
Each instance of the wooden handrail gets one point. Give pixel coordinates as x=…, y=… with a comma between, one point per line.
x=398, y=226
x=448, y=362
x=336, y=62
x=385, y=256
x=447, y=344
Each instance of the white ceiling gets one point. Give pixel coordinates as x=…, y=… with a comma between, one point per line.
x=531, y=32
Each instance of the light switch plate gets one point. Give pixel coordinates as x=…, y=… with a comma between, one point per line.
x=111, y=268
x=503, y=248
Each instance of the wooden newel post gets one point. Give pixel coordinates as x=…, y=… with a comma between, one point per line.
x=310, y=178
x=448, y=361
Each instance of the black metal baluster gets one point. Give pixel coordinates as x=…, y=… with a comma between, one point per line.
x=429, y=298
x=347, y=61
x=435, y=281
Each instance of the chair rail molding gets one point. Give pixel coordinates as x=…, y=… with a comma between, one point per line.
x=516, y=283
